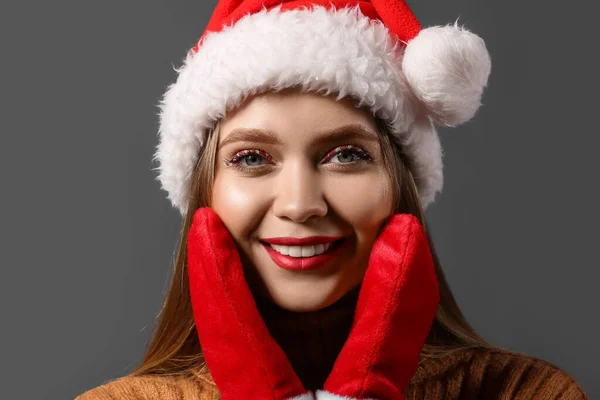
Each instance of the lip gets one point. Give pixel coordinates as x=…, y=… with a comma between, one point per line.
x=304, y=263
x=307, y=241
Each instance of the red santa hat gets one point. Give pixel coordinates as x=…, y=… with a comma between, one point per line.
x=374, y=52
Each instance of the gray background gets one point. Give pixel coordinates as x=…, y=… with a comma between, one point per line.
x=88, y=237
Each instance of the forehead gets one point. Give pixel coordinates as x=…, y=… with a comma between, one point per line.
x=294, y=113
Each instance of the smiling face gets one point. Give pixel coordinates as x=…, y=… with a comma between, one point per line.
x=301, y=185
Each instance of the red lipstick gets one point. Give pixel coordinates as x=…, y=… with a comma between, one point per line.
x=304, y=263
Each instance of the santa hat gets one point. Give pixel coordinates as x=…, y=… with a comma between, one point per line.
x=374, y=52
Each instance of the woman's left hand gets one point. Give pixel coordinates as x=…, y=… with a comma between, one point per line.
x=396, y=306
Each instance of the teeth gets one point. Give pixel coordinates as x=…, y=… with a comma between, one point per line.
x=285, y=250
x=295, y=251
x=301, y=251
x=308, y=251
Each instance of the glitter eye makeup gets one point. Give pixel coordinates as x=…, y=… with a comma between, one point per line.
x=341, y=156
x=247, y=159
x=355, y=153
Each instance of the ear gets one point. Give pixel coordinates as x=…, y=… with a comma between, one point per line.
x=447, y=68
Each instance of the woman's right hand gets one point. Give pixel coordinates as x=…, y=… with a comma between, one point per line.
x=242, y=357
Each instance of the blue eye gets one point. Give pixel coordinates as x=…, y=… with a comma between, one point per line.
x=251, y=160
x=346, y=155
x=247, y=159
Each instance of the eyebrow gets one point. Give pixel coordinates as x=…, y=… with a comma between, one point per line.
x=353, y=131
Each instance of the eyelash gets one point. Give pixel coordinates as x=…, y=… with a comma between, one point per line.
x=354, y=150
x=240, y=155
x=237, y=158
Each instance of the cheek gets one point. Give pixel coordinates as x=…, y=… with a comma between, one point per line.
x=240, y=203
x=364, y=201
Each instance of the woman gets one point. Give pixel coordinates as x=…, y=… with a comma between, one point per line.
x=298, y=144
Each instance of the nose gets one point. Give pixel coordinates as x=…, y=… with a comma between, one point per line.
x=299, y=195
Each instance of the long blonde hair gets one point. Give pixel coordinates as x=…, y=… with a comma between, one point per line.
x=175, y=348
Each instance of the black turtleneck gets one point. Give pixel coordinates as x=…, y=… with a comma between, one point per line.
x=311, y=340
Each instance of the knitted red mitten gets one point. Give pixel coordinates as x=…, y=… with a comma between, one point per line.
x=242, y=357
x=396, y=306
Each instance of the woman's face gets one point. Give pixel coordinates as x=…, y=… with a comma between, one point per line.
x=301, y=186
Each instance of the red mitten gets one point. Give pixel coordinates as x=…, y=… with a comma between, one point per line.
x=242, y=357
x=396, y=307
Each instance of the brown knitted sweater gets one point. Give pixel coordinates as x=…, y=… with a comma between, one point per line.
x=313, y=340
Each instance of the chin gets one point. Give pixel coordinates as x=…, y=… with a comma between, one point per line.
x=305, y=296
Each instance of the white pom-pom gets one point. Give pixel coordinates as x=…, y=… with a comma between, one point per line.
x=447, y=68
